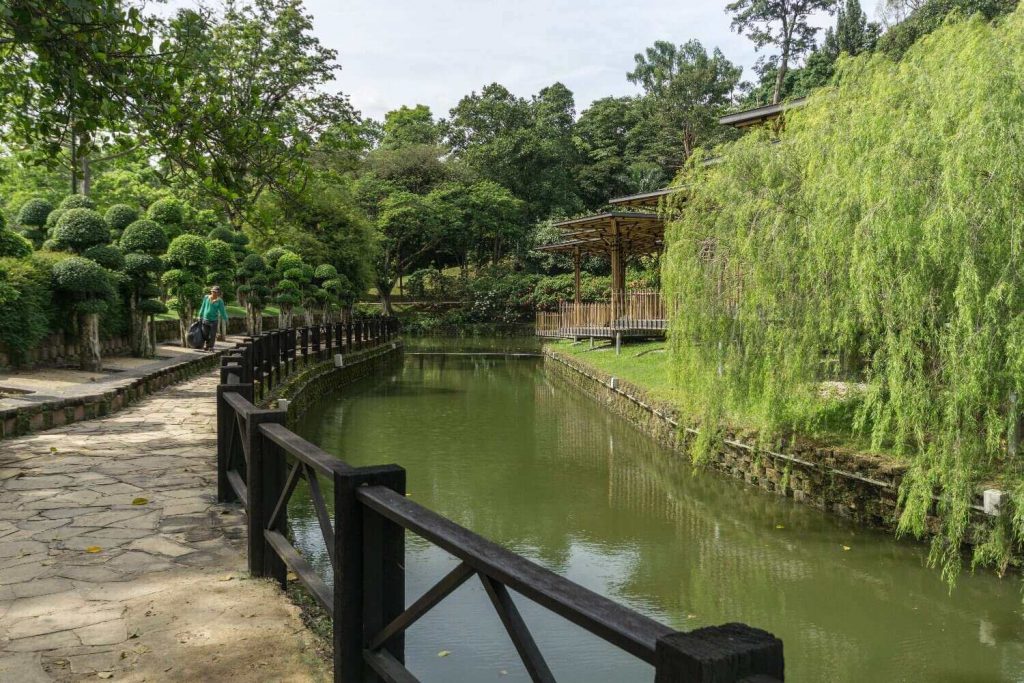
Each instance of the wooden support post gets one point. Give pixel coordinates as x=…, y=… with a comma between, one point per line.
x=369, y=586
x=304, y=337
x=227, y=441
x=719, y=654
x=348, y=338
x=265, y=479
x=618, y=343
x=576, y=276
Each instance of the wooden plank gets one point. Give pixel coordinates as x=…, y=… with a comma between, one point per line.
x=388, y=668
x=239, y=403
x=424, y=604
x=322, y=593
x=297, y=447
x=289, y=488
x=235, y=479
x=324, y=519
x=605, y=618
x=518, y=631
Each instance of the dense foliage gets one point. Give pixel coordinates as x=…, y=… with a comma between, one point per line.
x=871, y=258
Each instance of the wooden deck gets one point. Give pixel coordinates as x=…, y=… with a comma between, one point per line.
x=635, y=314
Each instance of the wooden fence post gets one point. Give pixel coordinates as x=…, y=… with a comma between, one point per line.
x=304, y=336
x=369, y=586
x=719, y=654
x=348, y=338
x=265, y=475
x=231, y=375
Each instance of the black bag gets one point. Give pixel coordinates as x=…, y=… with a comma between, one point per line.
x=196, y=338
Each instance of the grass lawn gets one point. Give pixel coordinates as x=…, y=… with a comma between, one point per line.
x=644, y=364
x=234, y=311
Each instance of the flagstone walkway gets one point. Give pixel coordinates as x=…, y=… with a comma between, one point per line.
x=117, y=563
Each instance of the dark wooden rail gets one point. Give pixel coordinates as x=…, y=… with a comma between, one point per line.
x=260, y=463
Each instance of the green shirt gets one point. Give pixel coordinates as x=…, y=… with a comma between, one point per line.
x=211, y=310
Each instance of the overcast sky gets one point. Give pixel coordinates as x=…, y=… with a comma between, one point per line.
x=396, y=52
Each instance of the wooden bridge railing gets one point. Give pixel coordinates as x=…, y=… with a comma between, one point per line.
x=260, y=464
x=641, y=309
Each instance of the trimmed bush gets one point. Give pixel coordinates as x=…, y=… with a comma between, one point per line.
x=13, y=245
x=77, y=201
x=223, y=234
x=325, y=272
x=139, y=265
x=143, y=237
x=168, y=212
x=51, y=220
x=84, y=282
x=26, y=304
x=119, y=217
x=188, y=252
x=152, y=307
x=80, y=228
x=34, y=212
x=107, y=255
x=273, y=255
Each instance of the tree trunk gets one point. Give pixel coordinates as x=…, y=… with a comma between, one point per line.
x=89, y=343
x=141, y=339
x=385, y=300
x=780, y=75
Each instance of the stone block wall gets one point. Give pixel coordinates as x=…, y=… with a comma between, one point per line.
x=60, y=349
x=857, y=486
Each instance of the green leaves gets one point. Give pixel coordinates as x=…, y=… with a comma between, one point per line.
x=874, y=248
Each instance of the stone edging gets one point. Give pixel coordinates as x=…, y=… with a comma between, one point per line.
x=304, y=387
x=848, y=484
x=47, y=415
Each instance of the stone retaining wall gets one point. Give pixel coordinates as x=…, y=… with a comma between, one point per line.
x=308, y=385
x=60, y=349
x=857, y=486
x=38, y=417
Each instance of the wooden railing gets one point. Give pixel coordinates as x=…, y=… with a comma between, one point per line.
x=628, y=311
x=260, y=464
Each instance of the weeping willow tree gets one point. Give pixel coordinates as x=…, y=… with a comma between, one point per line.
x=863, y=275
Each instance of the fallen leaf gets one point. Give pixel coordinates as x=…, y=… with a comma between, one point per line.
x=846, y=547
x=94, y=549
x=227, y=578
x=140, y=501
x=443, y=653
x=292, y=576
x=779, y=526
x=105, y=674
x=53, y=449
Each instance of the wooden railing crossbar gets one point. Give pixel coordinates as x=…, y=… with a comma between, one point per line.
x=260, y=463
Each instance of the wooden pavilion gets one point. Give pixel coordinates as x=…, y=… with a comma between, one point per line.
x=620, y=235
x=632, y=228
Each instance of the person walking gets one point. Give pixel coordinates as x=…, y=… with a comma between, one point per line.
x=211, y=312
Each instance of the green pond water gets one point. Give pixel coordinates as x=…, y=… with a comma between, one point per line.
x=504, y=449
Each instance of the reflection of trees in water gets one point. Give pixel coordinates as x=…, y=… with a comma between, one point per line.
x=710, y=547
x=541, y=468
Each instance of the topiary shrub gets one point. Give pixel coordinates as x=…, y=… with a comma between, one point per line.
x=272, y=256
x=107, y=255
x=83, y=282
x=34, y=212
x=26, y=305
x=13, y=245
x=119, y=217
x=169, y=213
x=77, y=201
x=223, y=234
x=51, y=220
x=188, y=252
x=143, y=237
x=80, y=228
x=139, y=265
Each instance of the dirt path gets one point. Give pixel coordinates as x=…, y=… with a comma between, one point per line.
x=117, y=563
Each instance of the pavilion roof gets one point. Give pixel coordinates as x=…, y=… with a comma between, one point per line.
x=638, y=233
x=642, y=200
x=752, y=117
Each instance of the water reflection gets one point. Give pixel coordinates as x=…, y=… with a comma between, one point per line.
x=502, y=448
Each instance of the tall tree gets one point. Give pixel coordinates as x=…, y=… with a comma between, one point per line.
x=238, y=114
x=524, y=145
x=782, y=23
x=852, y=35
x=410, y=126
x=686, y=91
x=66, y=67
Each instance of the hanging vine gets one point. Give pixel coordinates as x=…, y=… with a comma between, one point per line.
x=862, y=275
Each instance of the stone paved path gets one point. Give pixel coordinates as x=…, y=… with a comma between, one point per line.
x=117, y=563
